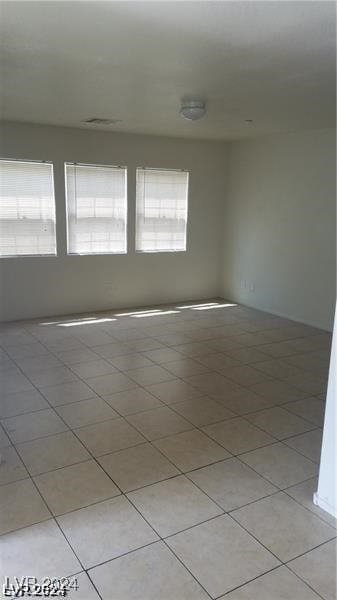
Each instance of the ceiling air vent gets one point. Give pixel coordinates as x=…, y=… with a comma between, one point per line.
x=98, y=121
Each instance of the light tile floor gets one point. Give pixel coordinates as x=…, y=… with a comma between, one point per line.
x=166, y=455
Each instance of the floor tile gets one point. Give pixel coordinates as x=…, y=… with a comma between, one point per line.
x=280, y=465
x=21, y=505
x=225, y=345
x=248, y=356
x=67, y=343
x=214, y=384
x=300, y=345
x=304, y=493
x=153, y=573
x=150, y=375
x=279, y=422
x=74, y=487
x=237, y=435
x=93, y=368
x=27, y=350
x=8, y=366
x=130, y=334
x=278, y=368
x=108, y=384
x=67, y=392
x=243, y=401
x=245, y=375
x=53, y=452
x=113, y=527
x=126, y=362
x=38, y=549
x=192, y=349
x=173, y=505
x=158, y=423
x=314, y=363
x=51, y=377
x=309, y=383
x=221, y=555
x=10, y=338
x=86, y=412
x=318, y=569
x=86, y=590
x=4, y=439
x=11, y=466
x=136, y=467
x=278, y=350
x=173, y=339
x=309, y=444
x=311, y=409
x=278, y=392
x=33, y=425
x=132, y=401
x=283, y=526
x=185, y=367
x=191, y=450
x=174, y=391
x=223, y=331
x=112, y=349
x=103, y=438
x=94, y=339
x=253, y=339
x=76, y=356
x=22, y=402
x=163, y=355
x=12, y=383
x=202, y=411
x=31, y=365
x=144, y=345
x=231, y=484
x=279, y=584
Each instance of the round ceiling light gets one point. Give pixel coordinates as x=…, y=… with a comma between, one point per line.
x=193, y=109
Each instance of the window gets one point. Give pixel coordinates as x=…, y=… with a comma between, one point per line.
x=161, y=210
x=27, y=208
x=96, y=209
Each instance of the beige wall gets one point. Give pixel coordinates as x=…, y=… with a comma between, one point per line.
x=280, y=226
x=274, y=195
x=34, y=287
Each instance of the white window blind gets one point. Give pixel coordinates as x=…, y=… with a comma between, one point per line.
x=96, y=209
x=27, y=208
x=161, y=210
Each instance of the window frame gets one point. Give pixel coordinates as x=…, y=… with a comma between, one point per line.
x=82, y=164
x=36, y=161
x=188, y=172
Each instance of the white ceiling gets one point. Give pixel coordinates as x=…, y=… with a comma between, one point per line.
x=273, y=62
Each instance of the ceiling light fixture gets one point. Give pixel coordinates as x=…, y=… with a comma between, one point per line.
x=192, y=110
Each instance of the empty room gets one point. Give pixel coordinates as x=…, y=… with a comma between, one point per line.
x=168, y=388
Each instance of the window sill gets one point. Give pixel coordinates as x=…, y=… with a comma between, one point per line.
x=28, y=256
x=161, y=251
x=96, y=253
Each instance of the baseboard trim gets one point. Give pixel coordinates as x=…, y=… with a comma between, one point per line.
x=324, y=505
x=280, y=314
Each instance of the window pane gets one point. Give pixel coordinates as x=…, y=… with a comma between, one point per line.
x=96, y=209
x=161, y=210
x=27, y=208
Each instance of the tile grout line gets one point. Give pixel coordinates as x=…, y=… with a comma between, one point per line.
x=266, y=573
x=276, y=441
x=166, y=458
